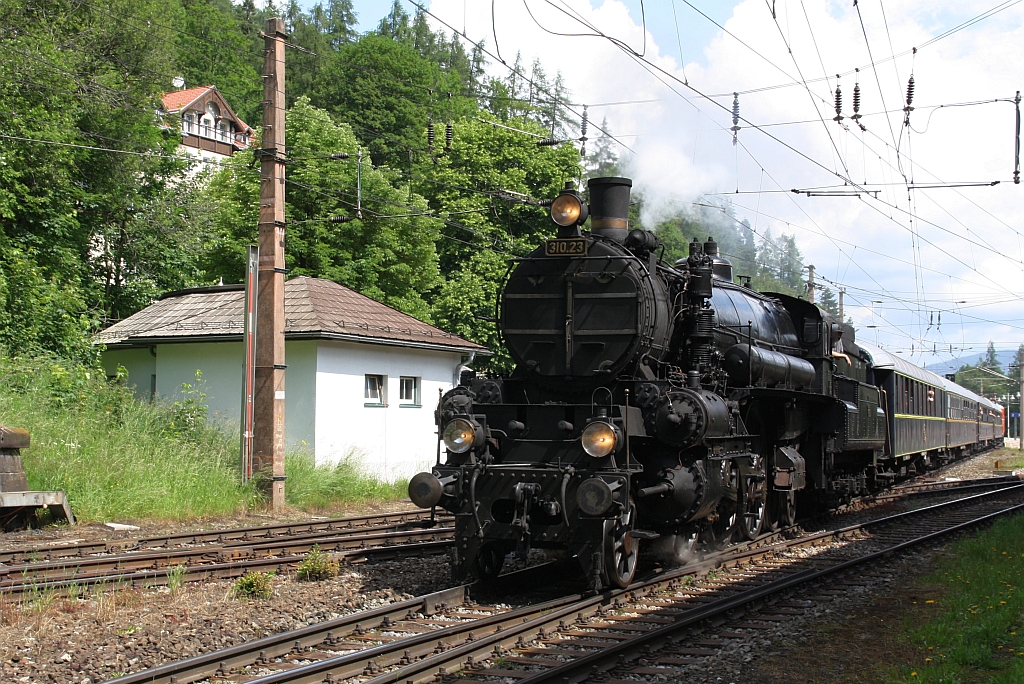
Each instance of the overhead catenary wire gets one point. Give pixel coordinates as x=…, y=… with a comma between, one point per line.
x=649, y=66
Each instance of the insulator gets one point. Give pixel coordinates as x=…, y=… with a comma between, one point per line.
x=547, y=142
x=856, y=98
x=342, y=155
x=583, y=126
x=430, y=135
x=449, y=135
x=839, y=104
x=735, y=116
x=910, y=90
x=339, y=219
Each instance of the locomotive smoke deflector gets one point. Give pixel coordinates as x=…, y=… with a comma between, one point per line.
x=609, y=207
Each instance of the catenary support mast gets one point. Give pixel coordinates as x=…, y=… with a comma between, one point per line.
x=268, y=427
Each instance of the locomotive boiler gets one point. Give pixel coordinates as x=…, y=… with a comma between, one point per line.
x=650, y=403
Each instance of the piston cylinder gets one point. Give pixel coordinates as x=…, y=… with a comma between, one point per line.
x=687, y=416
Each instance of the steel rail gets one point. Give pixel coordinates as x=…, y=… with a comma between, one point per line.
x=276, y=645
x=92, y=565
x=331, y=634
x=222, y=570
x=239, y=534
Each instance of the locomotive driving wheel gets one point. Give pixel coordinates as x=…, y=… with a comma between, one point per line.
x=620, y=548
x=753, y=498
x=781, y=509
x=729, y=510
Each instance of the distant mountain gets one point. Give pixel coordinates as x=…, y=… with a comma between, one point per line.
x=951, y=366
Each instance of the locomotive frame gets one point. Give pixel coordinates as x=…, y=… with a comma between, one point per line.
x=665, y=404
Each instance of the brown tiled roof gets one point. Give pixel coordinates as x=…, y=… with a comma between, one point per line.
x=312, y=308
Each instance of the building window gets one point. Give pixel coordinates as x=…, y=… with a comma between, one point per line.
x=374, y=392
x=409, y=391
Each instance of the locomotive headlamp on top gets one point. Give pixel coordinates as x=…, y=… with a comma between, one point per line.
x=600, y=438
x=568, y=209
x=461, y=435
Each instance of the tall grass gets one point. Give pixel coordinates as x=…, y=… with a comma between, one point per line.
x=114, y=456
x=119, y=458
x=322, y=487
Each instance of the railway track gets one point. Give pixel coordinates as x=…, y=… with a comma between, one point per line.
x=223, y=554
x=230, y=553
x=46, y=552
x=644, y=630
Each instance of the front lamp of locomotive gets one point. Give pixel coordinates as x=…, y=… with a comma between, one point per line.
x=568, y=209
x=600, y=438
x=461, y=435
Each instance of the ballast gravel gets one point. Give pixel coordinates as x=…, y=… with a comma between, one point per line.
x=56, y=638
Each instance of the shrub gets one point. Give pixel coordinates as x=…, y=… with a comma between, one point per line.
x=255, y=585
x=317, y=565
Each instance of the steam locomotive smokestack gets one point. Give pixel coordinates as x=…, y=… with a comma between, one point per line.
x=609, y=207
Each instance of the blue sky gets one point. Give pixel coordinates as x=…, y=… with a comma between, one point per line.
x=694, y=31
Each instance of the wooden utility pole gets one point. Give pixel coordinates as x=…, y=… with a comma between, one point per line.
x=810, y=284
x=268, y=404
x=842, y=292
x=1020, y=402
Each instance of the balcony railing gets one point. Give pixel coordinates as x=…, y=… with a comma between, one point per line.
x=212, y=133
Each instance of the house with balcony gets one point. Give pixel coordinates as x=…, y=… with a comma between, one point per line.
x=210, y=129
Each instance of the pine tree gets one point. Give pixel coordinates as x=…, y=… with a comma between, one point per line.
x=603, y=161
x=991, y=359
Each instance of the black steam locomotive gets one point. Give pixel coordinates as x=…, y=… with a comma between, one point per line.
x=664, y=403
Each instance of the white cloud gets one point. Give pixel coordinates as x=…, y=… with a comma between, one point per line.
x=679, y=153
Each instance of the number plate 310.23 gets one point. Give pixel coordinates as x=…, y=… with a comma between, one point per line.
x=563, y=247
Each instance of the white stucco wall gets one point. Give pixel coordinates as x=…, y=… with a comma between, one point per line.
x=221, y=366
x=390, y=441
x=140, y=364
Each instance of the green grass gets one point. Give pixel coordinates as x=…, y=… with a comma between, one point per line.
x=976, y=633
x=122, y=459
x=322, y=487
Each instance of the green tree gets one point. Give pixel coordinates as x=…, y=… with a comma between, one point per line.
x=214, y=50
x=80, y=91
x=388, y=255
x=389, y=93
x=828, y=301
x=603, y=161
x=486, y=186
x=991, y=359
